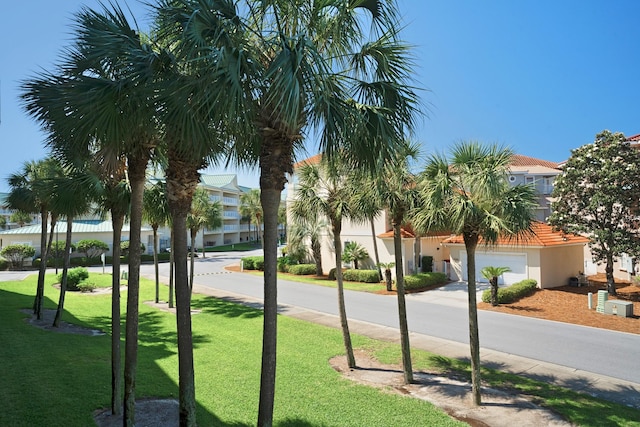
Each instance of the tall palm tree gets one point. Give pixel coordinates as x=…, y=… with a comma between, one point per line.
x=469, y=195
x=280, y=68
x=322, y=190
x=204, y=213
x=155, y=211
x=71, y=196
x=250, y=207
x=29, y=192
x=396, y=189
x=102, y=94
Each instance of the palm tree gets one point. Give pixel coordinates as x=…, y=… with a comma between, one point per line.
x=396, y=189
x=71, y=196
x=310, y=229
x=322, y=190
x=492, y=274
x=273, y=81
x=29, y=192
x=204, y=213
x=155, y=212
x=101, y=96
x=469, y=195
x=387, y=273
x=353, y=253
x=251, y=208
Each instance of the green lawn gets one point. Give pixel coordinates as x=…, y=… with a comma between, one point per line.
x=59, y=380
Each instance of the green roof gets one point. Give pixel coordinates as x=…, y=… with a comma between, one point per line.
x=81, y=226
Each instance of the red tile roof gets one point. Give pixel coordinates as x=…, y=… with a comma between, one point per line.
x=313, y=160
x=634, y=138
x=543, y=236
x=520, y=160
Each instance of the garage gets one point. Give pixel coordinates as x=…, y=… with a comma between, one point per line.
x=517, y=262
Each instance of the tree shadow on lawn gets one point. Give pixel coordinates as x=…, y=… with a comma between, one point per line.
x=228, y=306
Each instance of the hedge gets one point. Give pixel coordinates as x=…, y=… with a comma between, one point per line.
x=302, y=269
x=512, y=293
x=366, y=276
x=253, y=263
x=427, y=264
x=422, y=280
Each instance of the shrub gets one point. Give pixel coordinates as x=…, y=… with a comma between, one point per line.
x=16, y=254
x=253, y=263
x=74, y=277
x=427, y=264
x=422, y=280
x=86, y=286
x=124, y=248
x=332, y=274
x=366, y=276
x=284, y=262
x=512, y=293
x=302, y=269
x=92, y=248
x=4, y=264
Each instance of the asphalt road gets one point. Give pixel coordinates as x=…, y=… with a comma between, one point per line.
x=443, y=314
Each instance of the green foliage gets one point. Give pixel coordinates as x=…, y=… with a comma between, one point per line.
x=284, y=262
x=21, y=218
x=124, y=248
x=86, y=286
x=302, y=269
x=354, y=252
x=92, y=248
x=427, y=264
x=332, y=274
x=597, y=196
x=512, y=293
x=58, y=248
x=16, y=254
x=74, y=277
x=253, y=263
x=4, y=264
x=423, y=280
x=366, y=276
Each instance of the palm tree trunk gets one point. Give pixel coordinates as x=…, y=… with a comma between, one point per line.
x=155, y=262
x=65, y=270
x=494, y=291
x=344, y=323
x=137, y=169
x=270, y=201
x=42, y=270
x=416, y=254
x=375, y=248
x=407, y=367
x=192, y=261
x=171, y=270
x=117, y=220
x=470, y=243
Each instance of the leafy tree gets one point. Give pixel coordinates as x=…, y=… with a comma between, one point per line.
x=353, y=253
x=469, y=194
x=3, y=222
x=204, y=213
x=92, y=248
x=597, y=196
x=21, y=218
x=16, y=254
x=155, y=211
x=492, y=274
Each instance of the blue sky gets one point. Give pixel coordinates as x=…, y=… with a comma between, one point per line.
x=542, y=77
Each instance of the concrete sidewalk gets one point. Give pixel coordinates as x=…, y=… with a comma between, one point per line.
x=612, y=389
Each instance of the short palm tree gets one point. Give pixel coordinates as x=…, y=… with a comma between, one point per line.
x=387, y=274
x=155, y=212
x=469, y=194
x=251, y=208
x=353, y=253
x=492, y=274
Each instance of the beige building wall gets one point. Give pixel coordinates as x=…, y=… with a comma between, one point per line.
x=560, y=264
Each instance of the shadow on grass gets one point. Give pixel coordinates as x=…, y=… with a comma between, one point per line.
x=228, y=307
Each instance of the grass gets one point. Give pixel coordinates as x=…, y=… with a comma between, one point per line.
x=59, y=379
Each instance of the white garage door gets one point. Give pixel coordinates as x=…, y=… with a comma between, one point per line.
x=516, y=262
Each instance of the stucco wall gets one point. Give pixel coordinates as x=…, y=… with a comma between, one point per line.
x=560, y=263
